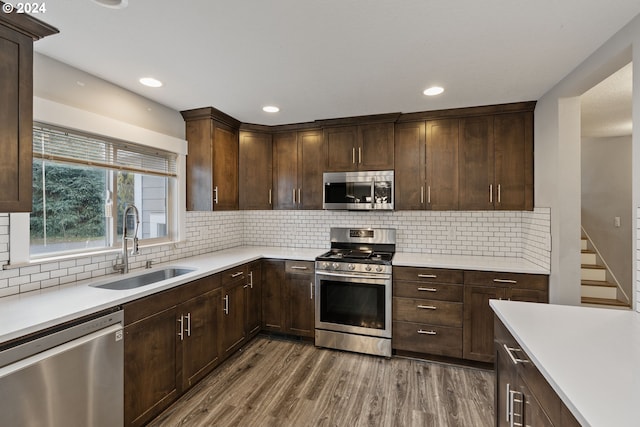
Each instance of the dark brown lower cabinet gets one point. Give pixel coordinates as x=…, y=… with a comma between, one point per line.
x=253, y=299
x=171, y=340
x=479, y=288
x=288, y=300
x=300, y=281
x=523, y=397
x=233, y=316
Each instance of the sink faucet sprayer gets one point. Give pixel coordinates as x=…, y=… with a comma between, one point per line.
x=124, y=266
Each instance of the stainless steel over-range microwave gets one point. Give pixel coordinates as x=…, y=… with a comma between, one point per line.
x=363, y=190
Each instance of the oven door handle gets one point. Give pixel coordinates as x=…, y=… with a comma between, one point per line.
x=345, y=275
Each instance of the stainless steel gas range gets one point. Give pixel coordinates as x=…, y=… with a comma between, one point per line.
x=353, y=291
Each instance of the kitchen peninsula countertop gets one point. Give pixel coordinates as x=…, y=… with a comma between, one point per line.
x=588, y=355
x=34, y=311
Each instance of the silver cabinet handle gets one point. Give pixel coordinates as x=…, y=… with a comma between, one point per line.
x=514, y=359
x=251, y=279
x=359, y=155
x=226, y=304
x=513, y=282
x=310, y=290
x=270, y=196
x=299, y=198
x=299, y=267
x=188, y=316
x=499, y=193
x=353, y=155
x=427, y=276
x=215, y=195
x=427, y=307
x=420, y=331
x=293, y=195
x=428, y=289
x=508, y=403
x=422, y=194
x=239, y=273
x=490, y=193
x=428, y=194
x=181, y=322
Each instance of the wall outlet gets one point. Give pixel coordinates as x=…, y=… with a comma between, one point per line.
x=616, y=222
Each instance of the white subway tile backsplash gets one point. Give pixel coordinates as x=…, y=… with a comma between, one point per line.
x=500, y=234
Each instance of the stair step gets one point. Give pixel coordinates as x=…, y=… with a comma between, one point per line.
x=593, y=272
x=587, y=257
x=604, y=301
x=598, y=283
x=583, y=243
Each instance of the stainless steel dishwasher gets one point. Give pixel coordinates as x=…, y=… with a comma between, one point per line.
x=69, y=376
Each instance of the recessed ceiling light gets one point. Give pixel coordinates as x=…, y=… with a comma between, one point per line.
x=151, y=82
x=112, y=4
x=270, y=109
x=434, y=90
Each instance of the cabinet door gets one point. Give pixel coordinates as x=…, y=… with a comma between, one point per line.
x=199, y=133
x=311, y=165
x=442, y=164
x=506, y=381
x=476, y=163
x=527, y=295
x=199, y=319
x=273, y=287
x=233, y=316
x=375, y=147
x=255, y=170
x=225, y=168
x=254, y=299
x=285, y=164
x=16, y=121
x=341, y=144
x=513, y=139
x=478, y=322
x=150, y=382
x=410, y=158
x=300, y=301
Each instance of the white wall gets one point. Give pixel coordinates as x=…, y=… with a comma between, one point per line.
x=557, y=155
x=606, y=194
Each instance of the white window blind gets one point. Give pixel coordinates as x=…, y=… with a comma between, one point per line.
x=67, y=146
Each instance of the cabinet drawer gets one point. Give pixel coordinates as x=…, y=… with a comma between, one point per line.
x=427, y=275
x=528, y=281
x=432, y=312
x=437, y=291
x=233, y=274
x=424, y=338
x=299, y=267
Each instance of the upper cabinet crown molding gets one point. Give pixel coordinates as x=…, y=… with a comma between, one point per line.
x=27, y=25
x=212, y=114
x=514, y=107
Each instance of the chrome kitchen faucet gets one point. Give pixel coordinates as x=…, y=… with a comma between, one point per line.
x=124, y=266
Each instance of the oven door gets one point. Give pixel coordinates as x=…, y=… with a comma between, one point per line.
x=354, y=303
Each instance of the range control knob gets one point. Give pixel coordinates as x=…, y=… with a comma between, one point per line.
x=379, y=268
x=335, y=265
x=368, y=268
x=351, y=267
x=325, y=265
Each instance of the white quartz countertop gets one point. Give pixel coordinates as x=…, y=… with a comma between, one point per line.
x=33, y=311
x=468, y=262
x=590, y=356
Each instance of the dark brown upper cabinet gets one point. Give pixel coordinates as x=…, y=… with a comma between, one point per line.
x=477, y=158
x=255, y=170
x=17, y=34
x=212, y=160
x=298, y=164
x=362, y=146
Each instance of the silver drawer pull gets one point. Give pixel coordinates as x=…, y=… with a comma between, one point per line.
x=239, y=273
x=427, y=276
x=297, y=267
x=428, y=289
x=514, y=359
x=427, y=307
x=420, y=331
x=505, y=281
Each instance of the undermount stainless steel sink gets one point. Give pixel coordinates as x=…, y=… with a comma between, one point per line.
x=144, y=279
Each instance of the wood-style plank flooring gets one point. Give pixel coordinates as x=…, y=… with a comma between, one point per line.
x=274, y=382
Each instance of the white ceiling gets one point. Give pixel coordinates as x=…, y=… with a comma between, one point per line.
x=332, y=58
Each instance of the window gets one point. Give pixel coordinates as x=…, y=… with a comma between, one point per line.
x=82, y=184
